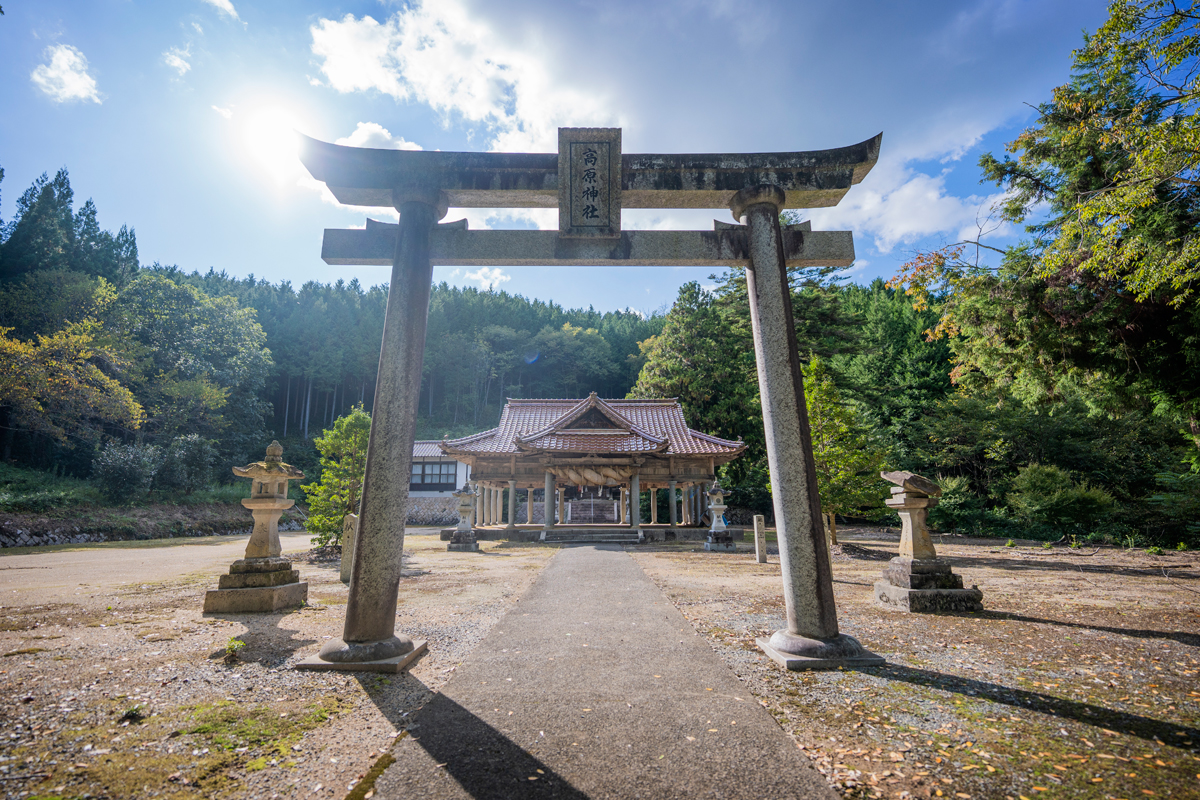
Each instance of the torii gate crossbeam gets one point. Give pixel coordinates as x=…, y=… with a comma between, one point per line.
x=590, y=182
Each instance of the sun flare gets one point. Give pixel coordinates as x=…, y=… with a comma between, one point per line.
x=272, y=143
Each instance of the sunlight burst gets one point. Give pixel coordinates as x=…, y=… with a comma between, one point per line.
x=273, y=143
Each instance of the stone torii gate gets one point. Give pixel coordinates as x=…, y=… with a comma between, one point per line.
x=590, y=181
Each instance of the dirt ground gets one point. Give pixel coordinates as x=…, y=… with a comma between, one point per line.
x=124, y=691
x=1078, y=681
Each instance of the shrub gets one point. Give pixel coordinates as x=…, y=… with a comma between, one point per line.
x=756, y=499
x=1047, y=497
x=343, y=463
x=125, y=471
x=1179, y=500
x=187, y=464
x=958, y=508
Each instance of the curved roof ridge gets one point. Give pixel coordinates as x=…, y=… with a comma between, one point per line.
x=708, y=437
x=577, y=411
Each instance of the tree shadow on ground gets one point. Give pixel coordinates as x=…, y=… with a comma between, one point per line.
x=1086, y=713
x=483, y=761
x=1182, y=637
x=1039, y=562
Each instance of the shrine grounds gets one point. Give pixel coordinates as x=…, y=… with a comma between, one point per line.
x=1079, y=680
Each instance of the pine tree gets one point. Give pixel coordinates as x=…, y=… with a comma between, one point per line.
x=848, y=457
x=343, y=465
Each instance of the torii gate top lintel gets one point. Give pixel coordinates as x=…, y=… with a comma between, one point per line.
x=363, y=176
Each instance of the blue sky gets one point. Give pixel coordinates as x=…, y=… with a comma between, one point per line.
x=173, y=117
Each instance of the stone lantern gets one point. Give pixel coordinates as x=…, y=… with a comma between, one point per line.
x=917, y=580
x=263, y=580
x=463, y=537
x=719, y=537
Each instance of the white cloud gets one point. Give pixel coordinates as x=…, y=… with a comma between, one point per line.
x=199, y=30
x=901, y=206
x=224, y=112
x=372, y=134
x=224, y=6
x=442, y=56
x=65, y=75
x=488, y=277
x=176, y=59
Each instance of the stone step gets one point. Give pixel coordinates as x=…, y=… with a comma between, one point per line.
x=590, y=537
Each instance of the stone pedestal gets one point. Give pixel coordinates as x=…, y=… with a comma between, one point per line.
x=463, y=537
x=917, y=580
x=924, y=585
x=257, y=585
x=263, y=581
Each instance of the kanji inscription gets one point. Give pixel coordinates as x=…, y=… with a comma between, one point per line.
x=589, y=182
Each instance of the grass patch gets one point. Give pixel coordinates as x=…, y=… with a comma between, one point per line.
x=227, y=726
x=32, y=491
x=367, y=784
x=25, y=651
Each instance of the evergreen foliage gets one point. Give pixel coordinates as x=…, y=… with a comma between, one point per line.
x=848, y=456
x=125, y=471
x=187, y=464
x=343, y=465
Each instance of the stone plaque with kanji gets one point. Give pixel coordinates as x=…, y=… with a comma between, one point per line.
x=589, y=182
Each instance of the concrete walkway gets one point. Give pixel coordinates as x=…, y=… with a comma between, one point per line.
x=595, y=686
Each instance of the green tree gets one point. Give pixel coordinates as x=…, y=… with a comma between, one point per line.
x=199, y=363
x=343, y=465
x=1138, y=98
x=895, y=375
x=57, y=386
x=848, y=457
x=707, y=363
x=1097, y=302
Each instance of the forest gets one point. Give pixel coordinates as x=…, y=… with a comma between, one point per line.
x=1051, y=387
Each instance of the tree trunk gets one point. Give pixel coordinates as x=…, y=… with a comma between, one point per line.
x=830, y=528
x=307, y=407
x=6, y=421
x=287, y=402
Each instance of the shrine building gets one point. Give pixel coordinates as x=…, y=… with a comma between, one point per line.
x=591, y=457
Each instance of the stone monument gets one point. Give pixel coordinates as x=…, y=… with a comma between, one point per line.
x=917, y=580
x=718, y=534
x=349, y=530
x=591, y=181
x=463, y=537
x=263, y=580
x=760, y=539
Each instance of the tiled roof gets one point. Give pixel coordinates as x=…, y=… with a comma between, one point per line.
x=427, y=448
x=638, y=426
